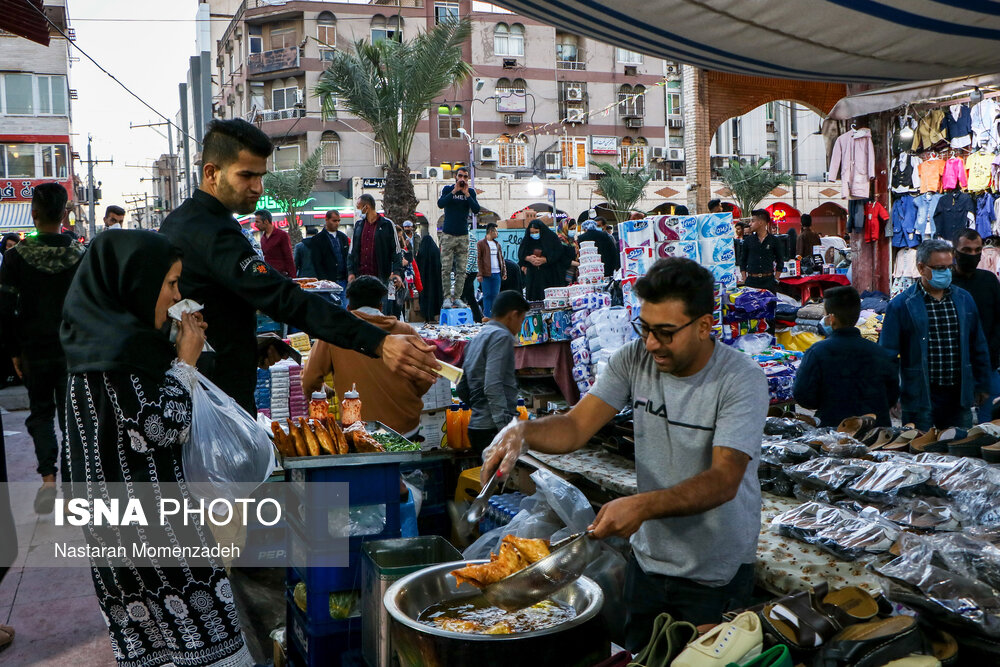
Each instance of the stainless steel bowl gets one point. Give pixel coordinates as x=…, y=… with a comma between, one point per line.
x=580, y=642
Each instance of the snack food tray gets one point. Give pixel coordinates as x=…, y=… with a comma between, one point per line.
x=327, y=460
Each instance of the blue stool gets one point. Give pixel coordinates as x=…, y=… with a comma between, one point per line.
x=456, y=316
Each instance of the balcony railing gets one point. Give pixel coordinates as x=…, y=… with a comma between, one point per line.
x=571, y=64
x=282, y=114
x=273, y=61
x=512, y=155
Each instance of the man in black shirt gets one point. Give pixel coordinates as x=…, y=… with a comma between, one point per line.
x=985, y=290
x=223, y=272
x=762, y=258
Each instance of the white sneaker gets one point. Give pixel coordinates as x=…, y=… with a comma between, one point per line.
x=460, y=304
x=737, y=642
x=447, y=304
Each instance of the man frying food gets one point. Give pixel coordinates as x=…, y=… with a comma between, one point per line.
x=699, y=410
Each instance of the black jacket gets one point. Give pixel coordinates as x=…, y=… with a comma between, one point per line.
x=34, y=279
x=985, y=290
x=845, y=376
x=223, y=272
x=606, y=247
x=326, y=264
x=388, y=254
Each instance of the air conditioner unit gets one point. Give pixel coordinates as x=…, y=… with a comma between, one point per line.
x=553, y=161
x=502, y=176
x=633, y=123
x=433, y=172
x=675, y=154
x=631, y=70
x=675, y=123
x=678, y=178
x=330, y=175
x=672, y=69
x=658, y=152
x=239, y=89
x=512, y=119
x=575, y=116
x=415, y=175
x=574, y=94
x=487, y=153
x=509, y=63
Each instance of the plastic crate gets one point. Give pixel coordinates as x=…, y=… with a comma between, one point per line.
x=266, y=546
x=311, y=494
x=435, y=472
x=340, y=647
x=317, y=617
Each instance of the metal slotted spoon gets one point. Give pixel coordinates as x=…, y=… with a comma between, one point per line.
x=540, y=580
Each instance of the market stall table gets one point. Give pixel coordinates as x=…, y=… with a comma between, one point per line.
x=806, y=284
x=784, y=565
x=555, y=355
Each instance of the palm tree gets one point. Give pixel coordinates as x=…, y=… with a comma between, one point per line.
x=622, y=189
x=291, y=189
x=750, y=183
x=391, y=85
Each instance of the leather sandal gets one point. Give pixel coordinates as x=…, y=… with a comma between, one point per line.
x=799, y=621
x=928, y=443
x=943, y=646
x=872, y=644
x=857, y=427
x=6, y=636
x=902, y=441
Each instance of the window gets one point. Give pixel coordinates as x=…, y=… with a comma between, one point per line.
x=568, y=52
x=284, y=96
x=449, y=121
x=257, y=95
x=54, y=162
x=627, y=57
x=769, y=112
x=282, y=36
x=445, y=11
x=631, y=101
x=386, y=28
x=639, y=101
x=574, y=152
x=20, y=159
x=673, y=98
x=326, y=35
x=488, y=8
x=256, y=44
x=19, y=96
x=632, y=154
x=330, y=142
x=380, y=159
x=676, y=141
x=503, y=87
x=508, y=40
x=624, y=99
x=512, y=152
x=286, y=157
x=52, y=95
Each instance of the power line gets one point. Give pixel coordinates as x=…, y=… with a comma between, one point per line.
x=112, y=76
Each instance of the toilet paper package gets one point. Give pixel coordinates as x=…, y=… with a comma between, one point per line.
x=677, y=228
x=663, y=230
x=637, y=260
x=686, y=249
x=715, y=225
x=718, y=250
x=636, y=233
x=724, y=274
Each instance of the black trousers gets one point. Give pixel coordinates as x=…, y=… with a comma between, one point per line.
x=649, y=595
x=8, y=535
x=480, y=438
x=46, y=385
x=469, y=296
x=767, y=282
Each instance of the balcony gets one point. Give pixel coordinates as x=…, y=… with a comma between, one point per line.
x=571, y=64
x=281, y=114
x=273, y=61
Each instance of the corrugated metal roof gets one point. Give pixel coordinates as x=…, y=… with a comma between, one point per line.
x=21, y=18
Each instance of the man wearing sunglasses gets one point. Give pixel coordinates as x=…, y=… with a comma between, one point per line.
x=699, y=410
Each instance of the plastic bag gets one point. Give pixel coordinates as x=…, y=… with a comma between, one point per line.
x=827, y=473
x=884, y=481
x=229, y=454
x=753, y=343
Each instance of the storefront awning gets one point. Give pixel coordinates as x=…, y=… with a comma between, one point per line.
x=15, y=215
x=894, y=97
x=874, y=41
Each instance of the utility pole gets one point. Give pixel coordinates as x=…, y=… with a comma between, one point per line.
x=170, y=156
x=90, y=185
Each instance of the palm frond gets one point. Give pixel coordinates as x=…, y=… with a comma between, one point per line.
x=622, y=189
x=751, y=183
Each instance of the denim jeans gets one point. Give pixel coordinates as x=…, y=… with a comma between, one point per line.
x=648, y=595
x=491, y=287
x=946, y=410
x=984, y=412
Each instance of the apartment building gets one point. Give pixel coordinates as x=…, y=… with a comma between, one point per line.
x=35, y=118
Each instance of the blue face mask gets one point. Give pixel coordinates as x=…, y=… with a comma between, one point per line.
x=824, y=328
x=536, y=235
x=940, y=278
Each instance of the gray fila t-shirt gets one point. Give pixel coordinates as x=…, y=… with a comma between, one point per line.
x=677, y=423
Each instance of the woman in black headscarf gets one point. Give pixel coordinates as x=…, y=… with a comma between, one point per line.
x=8, y=241
x=542, y=259
x=429, y=265
x=129, y=415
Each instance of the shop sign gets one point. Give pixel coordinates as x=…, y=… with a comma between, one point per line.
x=509, y=240
x=373, y=183
x=273, y=61
x=22, y=190
x=604, y=145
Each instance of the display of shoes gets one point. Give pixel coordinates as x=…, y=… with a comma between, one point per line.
x=928, y=442
x=872, y=644
x=668, y=639
x=737, y=641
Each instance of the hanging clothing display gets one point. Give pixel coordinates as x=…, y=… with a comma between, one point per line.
x=990, y=260
x=924, y=206
x=875, y=217
x=905, y=176
x=931, y=172
x=853, y=161
x=905, y=265
x=979, y=166
x=904, y=218
x=958, y=124
x=954, y=174
x=985, y=214
x=984, y=125
x=929, y=130
x=955, y=210
x=856, y=215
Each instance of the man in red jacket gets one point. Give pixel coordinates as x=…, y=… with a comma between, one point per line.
x=275, y=244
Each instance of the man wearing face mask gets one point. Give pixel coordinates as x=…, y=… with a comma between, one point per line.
x=934, y=328
x=985, y=290
x=846, y=375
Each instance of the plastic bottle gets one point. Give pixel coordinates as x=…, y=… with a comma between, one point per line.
x=466, y=413
x=319, y=407
x=453, y=424
x=350, y=407
x=522, y=410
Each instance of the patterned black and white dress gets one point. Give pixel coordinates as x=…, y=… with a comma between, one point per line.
x=128, y=429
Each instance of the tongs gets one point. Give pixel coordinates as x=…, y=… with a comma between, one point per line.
x=479, y=505
x=539, y=581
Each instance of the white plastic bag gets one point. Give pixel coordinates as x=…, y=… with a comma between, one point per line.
x=229, y=453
